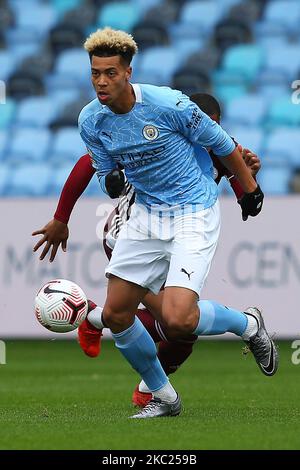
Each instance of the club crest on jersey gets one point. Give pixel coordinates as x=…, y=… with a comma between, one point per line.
x=150, y=132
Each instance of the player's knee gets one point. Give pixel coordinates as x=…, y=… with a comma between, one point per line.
x=178, y=326
x=116, y=319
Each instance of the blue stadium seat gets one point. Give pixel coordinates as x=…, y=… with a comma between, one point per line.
x=22, y=51
x=61, y=173
x=63, y=83
x=65, y=36
x=228, y=85
x=5, y=174
x=93, y=188
x=29, y=180
x=165, y=13
x=29, y=144
x=248, y=109
x=285, y=58
x=267, y=34
x=16, y=36
x=36, y=16
x=272, y=42
x=203, y=14
x=62, y=6
x=36, y=111
x=283, y=112
x=151, y=78
x=150, y=34
x=190, y=80
x=230, y=32
x=283, y=144
x=180, y=31
x=253, y=82
x=143, y=6
x=285, y=12
x=3, y=144
x=73, y=64
x=225, y=5
x=249, y=137
x=271, y=84
x=67, y=145
x=68, y=116
x=160, y=62
x=187, y=46
x=22, y=84
x=58, y=177
x=7, y=113
x=246, y=59
x=7, y=64
x=119, y=15
x=63, y=97
x=275, y=180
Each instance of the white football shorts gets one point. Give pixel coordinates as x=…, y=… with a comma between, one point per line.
x=154, y=248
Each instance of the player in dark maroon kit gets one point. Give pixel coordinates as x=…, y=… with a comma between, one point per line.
x=170, y=353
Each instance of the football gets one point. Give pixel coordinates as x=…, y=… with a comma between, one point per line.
x=61, y=305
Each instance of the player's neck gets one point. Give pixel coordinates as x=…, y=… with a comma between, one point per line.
x=125, y=102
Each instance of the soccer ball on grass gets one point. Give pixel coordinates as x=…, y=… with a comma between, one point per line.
x=61, y=306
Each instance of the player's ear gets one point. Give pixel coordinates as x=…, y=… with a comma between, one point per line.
x=128, y=73
x=215, y=117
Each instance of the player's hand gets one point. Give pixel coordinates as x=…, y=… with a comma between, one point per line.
x=251, y=160
x=54, y=234
x=251, y=203
x=115, y=183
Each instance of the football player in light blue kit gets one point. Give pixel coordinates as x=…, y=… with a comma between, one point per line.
x=173, y=230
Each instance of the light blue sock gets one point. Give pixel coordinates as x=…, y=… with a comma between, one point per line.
x=139, y=349
x=216, y=319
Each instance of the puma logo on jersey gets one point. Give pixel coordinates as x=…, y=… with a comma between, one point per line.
x=185, y=272
x=107, y=134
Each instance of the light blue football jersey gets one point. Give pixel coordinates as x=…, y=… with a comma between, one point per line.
x=155, y=143
x=204, y=161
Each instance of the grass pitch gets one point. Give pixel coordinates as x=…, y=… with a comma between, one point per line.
x=53, y=397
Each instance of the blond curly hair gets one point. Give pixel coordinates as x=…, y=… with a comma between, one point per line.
x=109, y=42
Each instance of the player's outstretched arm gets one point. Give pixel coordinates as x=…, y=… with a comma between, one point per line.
x=74, y=186
x=56, y=232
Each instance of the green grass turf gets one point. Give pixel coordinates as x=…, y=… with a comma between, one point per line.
x=53, y=397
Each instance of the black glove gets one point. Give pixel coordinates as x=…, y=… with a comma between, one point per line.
x=114, y=183
x=251, y=203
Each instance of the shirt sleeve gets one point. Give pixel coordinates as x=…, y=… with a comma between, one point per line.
x=101, y=160
x=198, y=128
x=75, y=185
